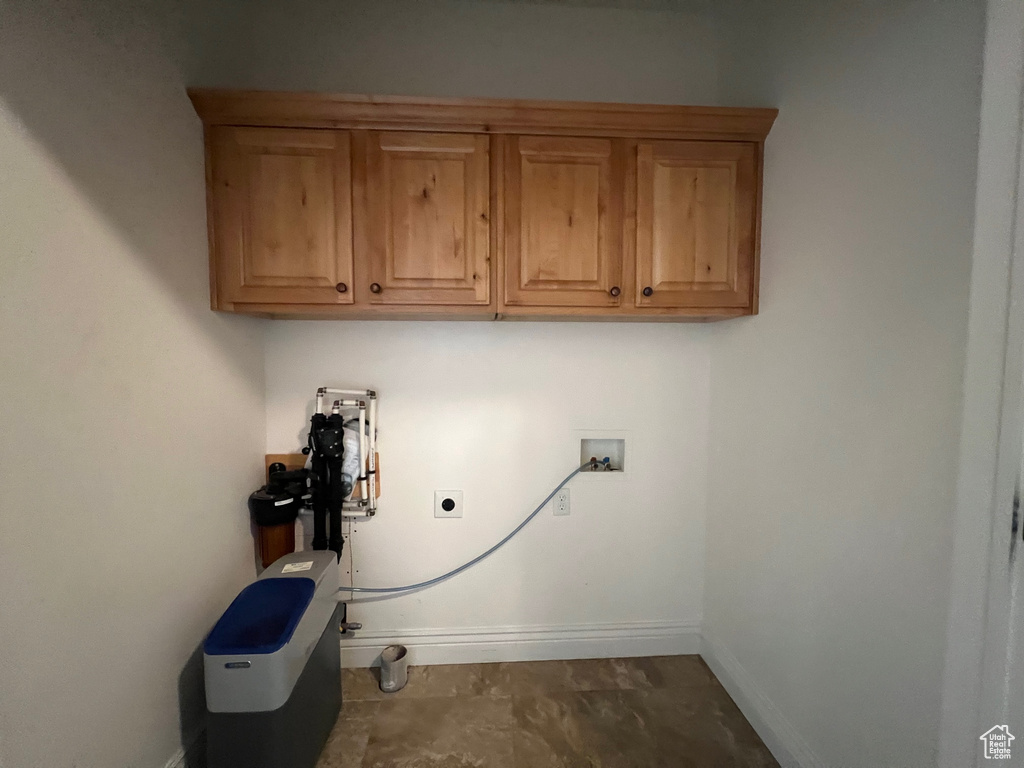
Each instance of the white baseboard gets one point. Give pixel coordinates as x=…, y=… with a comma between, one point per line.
x=775, y=730
x=474, y=645
x=179, y=759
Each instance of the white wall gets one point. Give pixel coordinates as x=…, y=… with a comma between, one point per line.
x=835, y=412
x=976, y=670
x=458, y=48
x=487, y=408
x=492, y=409
x=132, y=416
x=833, y=415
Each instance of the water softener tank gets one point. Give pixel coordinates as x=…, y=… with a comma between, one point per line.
x=273, y=667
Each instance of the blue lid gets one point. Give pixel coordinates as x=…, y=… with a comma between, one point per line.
x=261, y=619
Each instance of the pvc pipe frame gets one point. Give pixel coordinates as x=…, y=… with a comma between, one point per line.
x=367, y=506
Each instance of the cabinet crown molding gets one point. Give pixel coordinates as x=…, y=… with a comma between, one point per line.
x=498, y=116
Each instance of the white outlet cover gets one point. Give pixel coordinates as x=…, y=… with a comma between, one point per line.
x=561, y=502
x=452, y=497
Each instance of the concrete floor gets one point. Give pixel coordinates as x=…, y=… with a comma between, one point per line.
x=608, y=713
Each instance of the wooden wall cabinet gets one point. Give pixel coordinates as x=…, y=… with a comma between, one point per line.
x=354, y=206
x=425, y=207
x=563, y=222
x=695, y=223
x=280, y=216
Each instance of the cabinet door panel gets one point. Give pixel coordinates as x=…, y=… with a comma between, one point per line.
x=428, y=204
x=282, y=215
x=563, y=207
x=695, y=223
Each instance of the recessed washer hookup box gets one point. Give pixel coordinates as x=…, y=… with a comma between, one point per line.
x=273, y=667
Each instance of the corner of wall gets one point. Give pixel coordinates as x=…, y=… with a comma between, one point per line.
x=780, y=735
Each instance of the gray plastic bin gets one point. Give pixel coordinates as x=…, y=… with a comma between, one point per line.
x=273, y=667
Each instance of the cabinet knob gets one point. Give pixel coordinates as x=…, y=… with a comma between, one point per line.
x=647, y=291
x=375, y=288
x=341, y=288
x=614, y=290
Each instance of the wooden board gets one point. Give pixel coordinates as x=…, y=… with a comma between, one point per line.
x=410, y=113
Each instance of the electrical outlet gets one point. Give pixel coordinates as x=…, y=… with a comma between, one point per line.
x=561, y=502
x=447, y=503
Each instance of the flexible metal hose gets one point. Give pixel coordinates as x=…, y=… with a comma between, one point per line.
x=478, y=558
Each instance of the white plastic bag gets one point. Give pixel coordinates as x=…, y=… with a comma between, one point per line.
x=350, y=461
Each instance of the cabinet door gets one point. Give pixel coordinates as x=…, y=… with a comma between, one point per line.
x=428, y=210
x=563, y=221
x=281, y=216
x=695, y=223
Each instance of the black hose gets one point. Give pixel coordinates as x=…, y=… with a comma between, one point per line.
x=319, y=500
x=336, y=499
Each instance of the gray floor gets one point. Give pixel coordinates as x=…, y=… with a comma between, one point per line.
x=663, y=711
